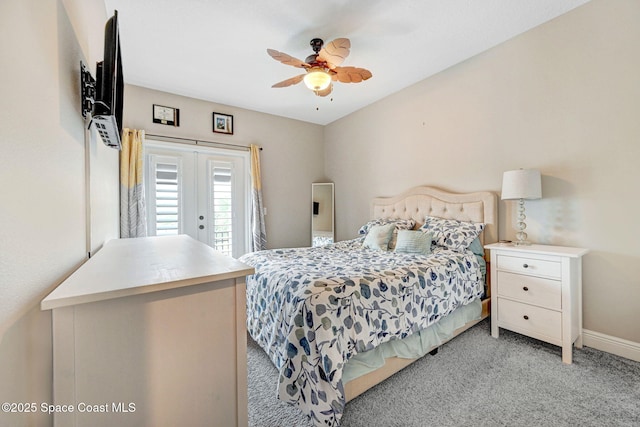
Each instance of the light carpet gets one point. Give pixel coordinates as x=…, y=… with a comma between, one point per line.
x=477, y=380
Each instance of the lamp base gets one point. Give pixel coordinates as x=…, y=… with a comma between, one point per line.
x=521, y=236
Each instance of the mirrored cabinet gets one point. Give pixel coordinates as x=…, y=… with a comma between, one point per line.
x=322, y=213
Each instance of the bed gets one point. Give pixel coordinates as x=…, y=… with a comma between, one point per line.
x=338, y=319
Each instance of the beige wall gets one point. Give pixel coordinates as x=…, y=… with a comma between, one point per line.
x=292, y=155
x=563, y=98
x=46, y=224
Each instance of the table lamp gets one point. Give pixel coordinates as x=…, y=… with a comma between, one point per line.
x=519, y=185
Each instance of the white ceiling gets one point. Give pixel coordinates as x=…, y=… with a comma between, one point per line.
x=216, y=49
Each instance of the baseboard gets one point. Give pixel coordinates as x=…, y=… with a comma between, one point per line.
x=610, y=344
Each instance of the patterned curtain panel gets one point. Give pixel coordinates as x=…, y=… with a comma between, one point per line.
x=133, y=215
x=259, y=234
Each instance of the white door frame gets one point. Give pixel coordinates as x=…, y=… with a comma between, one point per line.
x=192, y=194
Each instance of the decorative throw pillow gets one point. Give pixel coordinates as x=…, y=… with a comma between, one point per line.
x=452, y=234
x=378, y=237
x=476, y=247
x=414, y=242
x=400, y=224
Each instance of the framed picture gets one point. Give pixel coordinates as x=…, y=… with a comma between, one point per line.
x=223, y=123
x=166, y=115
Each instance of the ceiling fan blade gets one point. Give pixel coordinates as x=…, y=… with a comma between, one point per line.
x=335, y=52
x=351, y=74
x=326, y=91
x=290, y=82
x=287, y=59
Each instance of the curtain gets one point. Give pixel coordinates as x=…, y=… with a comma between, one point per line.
x=133, y=215
x=259, y=234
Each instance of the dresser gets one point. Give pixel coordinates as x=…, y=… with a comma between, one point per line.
x=537, y=291
x=148, y=332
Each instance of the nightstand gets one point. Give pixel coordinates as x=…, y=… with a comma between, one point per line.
x=537, y=291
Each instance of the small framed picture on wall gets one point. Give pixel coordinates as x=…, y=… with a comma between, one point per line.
x=166, y=115
x=223, y=123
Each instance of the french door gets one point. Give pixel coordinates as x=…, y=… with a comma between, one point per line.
x=199, y=191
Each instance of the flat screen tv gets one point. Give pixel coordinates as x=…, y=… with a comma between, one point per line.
x=107, y=108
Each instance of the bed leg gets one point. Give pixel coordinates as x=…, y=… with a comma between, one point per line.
x=434, y=351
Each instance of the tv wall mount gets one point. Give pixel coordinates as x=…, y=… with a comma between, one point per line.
x=87, y=90
x=105, y=124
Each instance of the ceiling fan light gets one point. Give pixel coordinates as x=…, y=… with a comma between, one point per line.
x=317, y=79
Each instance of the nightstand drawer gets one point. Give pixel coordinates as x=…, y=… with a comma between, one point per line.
x=532, y=266
x=530, y=289
x=529, y=318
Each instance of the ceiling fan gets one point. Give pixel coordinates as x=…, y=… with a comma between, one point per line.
x=322, y=67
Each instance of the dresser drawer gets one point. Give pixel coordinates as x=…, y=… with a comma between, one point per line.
x=529, y=318
x=532, y=266
x=530, y=289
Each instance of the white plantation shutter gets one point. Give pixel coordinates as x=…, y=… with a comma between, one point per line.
x=222, y=208
x=165, y=214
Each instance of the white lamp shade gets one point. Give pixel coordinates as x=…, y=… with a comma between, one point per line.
x=521, y=184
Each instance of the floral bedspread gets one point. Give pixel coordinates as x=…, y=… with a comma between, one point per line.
x=311, y=309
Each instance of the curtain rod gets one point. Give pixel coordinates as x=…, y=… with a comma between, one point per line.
x=196, y=141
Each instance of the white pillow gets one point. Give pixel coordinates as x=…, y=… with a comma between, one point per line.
x=378, y=237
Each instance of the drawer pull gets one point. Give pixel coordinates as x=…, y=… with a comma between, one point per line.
x=525, y=265
x=526, y=317
x=524, y=288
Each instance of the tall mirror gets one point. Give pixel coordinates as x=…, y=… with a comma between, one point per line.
x=322, y=217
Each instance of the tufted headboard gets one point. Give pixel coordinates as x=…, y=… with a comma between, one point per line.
x=419, y=202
